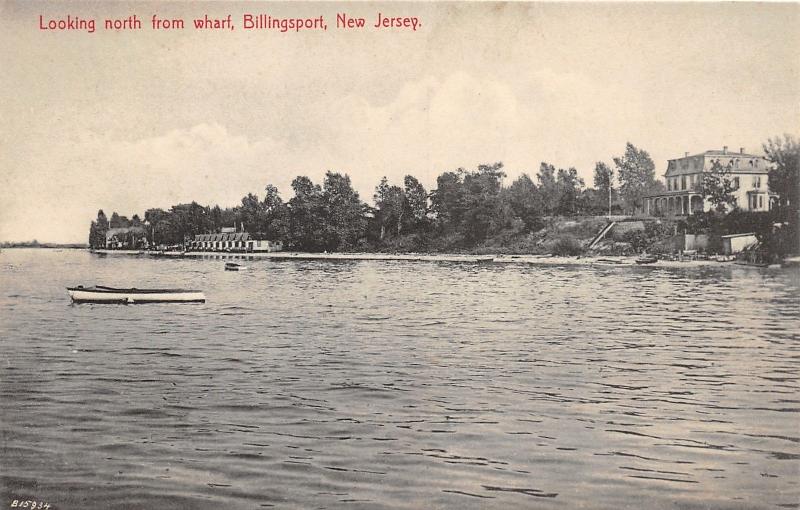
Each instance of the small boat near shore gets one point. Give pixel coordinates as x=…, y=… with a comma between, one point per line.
x=101, y=294
x=233, y=266
x=614, y=262
x=646, y=259
x=791, y=261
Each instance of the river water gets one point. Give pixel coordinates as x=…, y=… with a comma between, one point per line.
x=373, y=384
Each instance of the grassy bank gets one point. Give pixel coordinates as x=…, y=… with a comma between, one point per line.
x=557, y=236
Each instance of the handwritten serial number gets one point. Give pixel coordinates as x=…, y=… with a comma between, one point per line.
x=29, y=503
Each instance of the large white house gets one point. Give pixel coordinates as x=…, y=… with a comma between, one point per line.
x=749, y=173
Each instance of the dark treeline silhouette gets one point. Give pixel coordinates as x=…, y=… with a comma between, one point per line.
x=468, y=209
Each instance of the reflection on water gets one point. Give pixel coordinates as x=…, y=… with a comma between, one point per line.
x=399, y=385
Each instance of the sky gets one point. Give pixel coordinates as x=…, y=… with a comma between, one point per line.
x=128, y=120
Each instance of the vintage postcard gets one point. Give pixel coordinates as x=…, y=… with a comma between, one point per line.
x=399, y=255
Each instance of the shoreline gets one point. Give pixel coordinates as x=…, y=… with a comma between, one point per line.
x=604, y=261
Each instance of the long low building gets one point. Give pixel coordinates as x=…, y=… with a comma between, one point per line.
x=233, y=242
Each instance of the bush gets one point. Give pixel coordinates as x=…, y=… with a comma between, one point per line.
x=647, y=239
x=782, y=241
x=565, y=245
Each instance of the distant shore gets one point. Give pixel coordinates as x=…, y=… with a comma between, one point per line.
x=598, y=260
x=34, y=244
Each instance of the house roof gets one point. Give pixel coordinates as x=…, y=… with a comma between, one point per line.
x=743, y=167
x=716, y=152
x=232, y=236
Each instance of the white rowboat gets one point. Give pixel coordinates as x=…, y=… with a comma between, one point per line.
x=100, y=294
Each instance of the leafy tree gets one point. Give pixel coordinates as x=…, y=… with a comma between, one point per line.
x=117, y=221
x=784, y=181
x=592, y=202
x=275, y=215
x=346, y=223
x=183, y=222
x=153, y=217
x=784, y=177
x=272, y=199
x=636, y=172
x=569, y=186
x=717, y=187
x=447, y=200
x=251, y=213
x=390, y=203
x=416, y=200
x=97, y=231
x=604, y=182
x=327, y=218
x=102, y=221
x=548, y=187
x=215, y=214
x=306, y=216
x=482, y=211
x=525, y=202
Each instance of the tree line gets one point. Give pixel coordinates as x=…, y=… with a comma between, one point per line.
x=466, y=209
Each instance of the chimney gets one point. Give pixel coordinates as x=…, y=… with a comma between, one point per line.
x=686, y=154
x=725, y=149
x=741, y=150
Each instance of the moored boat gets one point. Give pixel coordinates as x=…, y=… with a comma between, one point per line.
x=791, y=261
x=233, y=266
x=101, y=294
x=645, y=259
x=615, y=262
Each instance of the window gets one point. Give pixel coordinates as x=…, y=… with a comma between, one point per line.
x=757, y=181
x=735, y=183
x=760, y=201
x=683, y=182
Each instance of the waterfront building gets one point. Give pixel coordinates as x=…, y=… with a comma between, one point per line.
x=231, y=241
x=683, y=177
x=133, y=238
x=735, y=243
